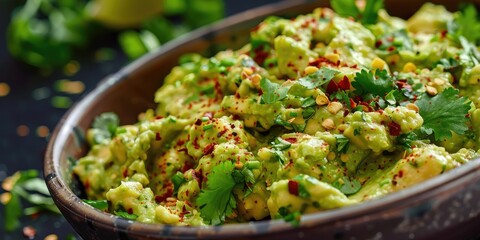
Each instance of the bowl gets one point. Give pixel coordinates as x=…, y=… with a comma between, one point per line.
x=445, y=207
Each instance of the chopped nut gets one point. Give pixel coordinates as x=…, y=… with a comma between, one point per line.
x=246, y=72
x=413, y=107
x=438, y=81
x=409, y=67
x=328, y=124
x=342, y=127
x=256, y=78
x=334, y=107
x=344, y=157
x=332, y=57
x=331, y=156
x=378, y=63
x=432, y=91
x=322, y=100
x=310, y=70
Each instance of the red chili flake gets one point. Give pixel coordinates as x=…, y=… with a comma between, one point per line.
x=391, y=48
x=378, y=43
x=235, y=117
x=332, y=87
x=130, y=211
x=400, y=173
x=353, y=104
x=293, y=187
x=180, y=142
x=291, y=140
x=125, y=172
x=237, y=95
x=219, y=134
x=158, y=117
x=187, y=166
x=169, y=192
x=443, y=33
x=198, y=122
x=86, y=184
x=260, y=55
x=208, y=149
x=158, y=137
x=260, y=92
x=344, y=84
x=29, y=232
x=290, y=64
x=394, y=128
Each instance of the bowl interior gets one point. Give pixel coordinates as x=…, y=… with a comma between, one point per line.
x=130, y=92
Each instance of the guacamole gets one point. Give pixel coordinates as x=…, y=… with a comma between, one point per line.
x=314, y=113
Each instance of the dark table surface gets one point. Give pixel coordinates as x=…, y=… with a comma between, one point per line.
x=29, y=111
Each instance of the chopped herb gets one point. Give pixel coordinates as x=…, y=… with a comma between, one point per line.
x=378, y=84
x=207, y=127
x=444, y=113
x=342, y=143
x=406, y=140
x=318, y=78
x=126, y=215
x=272, y=92
x=347, y=187
x=252, y=164
x=349, y=8
x=293, y=114
x=398, y=40
x=280, y=144
x=308, y=102
x=106, y=125
x=293, y=218
x=98, y=204
x=178, y=179
x=308, y=112
x=466, y=24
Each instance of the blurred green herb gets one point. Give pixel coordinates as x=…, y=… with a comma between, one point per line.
x=106, y=125
x=26, y=186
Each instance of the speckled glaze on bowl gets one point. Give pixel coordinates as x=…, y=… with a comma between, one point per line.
x=445, y=207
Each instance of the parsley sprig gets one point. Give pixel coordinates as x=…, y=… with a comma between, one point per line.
x=444, y=113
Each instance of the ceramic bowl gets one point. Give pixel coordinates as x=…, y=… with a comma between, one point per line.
x=445, y=207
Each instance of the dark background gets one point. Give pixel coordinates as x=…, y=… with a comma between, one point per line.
x=29, y=104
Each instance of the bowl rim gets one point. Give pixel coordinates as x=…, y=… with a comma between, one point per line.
x=70, y=202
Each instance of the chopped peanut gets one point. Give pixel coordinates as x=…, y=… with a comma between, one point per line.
x=322, y=100
x=413, y=107
x=328, y=124
x=256, y=78
x=432, y=91
x=331, y=156
x=334, y=107
x=332, y=57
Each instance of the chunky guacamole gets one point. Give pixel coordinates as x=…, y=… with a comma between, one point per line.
x=314, y=113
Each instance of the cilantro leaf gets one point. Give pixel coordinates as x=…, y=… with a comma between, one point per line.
x=377, y=84
x=318, y=78
x=280, y=144
x=272, y=92
x=178, y=179
x=342, y=143
x=106, y=124
x=126, y=215
x=467, y=24
x=346, y=186
x=406, y=140
x=217, y=200
x=444, y=113
x=291, y=217
x=98, y=204
x=370, y=13
x=349, y=8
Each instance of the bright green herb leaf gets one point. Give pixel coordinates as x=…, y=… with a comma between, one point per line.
x=467, y=24
x=126, y=215
x=347, y=187
x=217, y=200
x=178, y=179
x=106, y=125
x=342, y=143
x=308, y=112
x=406, y=140
x=290, y=217
x=348, y=8
x=272, y=92
x=280, y=144
x=318, y=78
x=444, y=113
x=98, y=204
x=378, y=84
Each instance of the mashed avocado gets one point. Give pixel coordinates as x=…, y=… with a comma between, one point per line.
x=316, y=112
